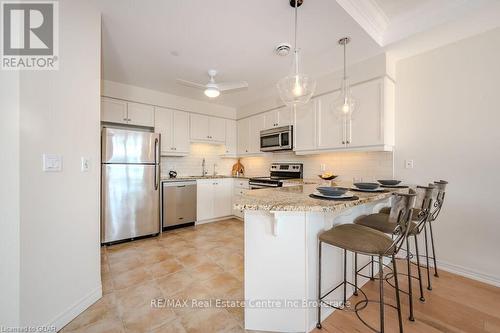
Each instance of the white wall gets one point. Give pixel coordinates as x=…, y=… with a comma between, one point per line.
x=60, y=227
x=9, y=199
x=447, y=121
x=158, y=98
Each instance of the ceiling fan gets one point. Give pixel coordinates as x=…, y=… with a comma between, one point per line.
x=213, y=89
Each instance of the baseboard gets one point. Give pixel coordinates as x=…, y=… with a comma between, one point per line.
x=64, y=318
x=468, y=273
x=216, y=219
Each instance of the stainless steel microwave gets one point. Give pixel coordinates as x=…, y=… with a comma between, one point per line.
x=274, y=139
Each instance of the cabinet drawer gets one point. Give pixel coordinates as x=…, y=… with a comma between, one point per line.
x=241, y=183
x=239, y=191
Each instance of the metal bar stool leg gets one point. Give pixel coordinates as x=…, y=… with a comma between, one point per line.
x=422, y=298
x=318, y=324
x=371, y=272
x=355, y=274
x=410, y=291
x=429, y=286
x=398, y=301
x=345, y=277
x=381, y=280
x=433, y=251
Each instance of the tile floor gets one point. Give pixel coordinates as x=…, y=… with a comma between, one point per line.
x=202, y=262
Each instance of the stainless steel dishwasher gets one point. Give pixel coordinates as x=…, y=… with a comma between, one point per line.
x=178, y=203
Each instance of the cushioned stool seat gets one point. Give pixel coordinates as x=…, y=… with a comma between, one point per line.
x=380, y=222
x=358, y=238
x=416, y=212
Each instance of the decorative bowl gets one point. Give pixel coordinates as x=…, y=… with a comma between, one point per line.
x=332, y=191
x=389, y=182
x=367, y=186
x=328, y=178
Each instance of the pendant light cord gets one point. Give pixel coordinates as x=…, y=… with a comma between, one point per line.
x=345, y=70
x=296, y=51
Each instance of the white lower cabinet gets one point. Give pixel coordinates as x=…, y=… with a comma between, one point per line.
x=214, y=198
x=239, y=188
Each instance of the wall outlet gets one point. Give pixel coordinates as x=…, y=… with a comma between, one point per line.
x=52, y=163
x=85, y=164
x=408, y=164
x=323, y=167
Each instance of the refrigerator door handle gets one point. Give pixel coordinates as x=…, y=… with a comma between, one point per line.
x=156, y=165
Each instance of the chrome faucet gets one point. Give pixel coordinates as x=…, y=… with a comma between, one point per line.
x=204, y=170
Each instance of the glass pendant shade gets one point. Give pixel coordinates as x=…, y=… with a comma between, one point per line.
x=345, y=105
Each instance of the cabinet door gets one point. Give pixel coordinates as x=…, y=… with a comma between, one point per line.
x=284, y=116
x=140, y=114
x=305, y=126
x=113, y=110
x=271, y=119
x=199, y=127
x=243, y=135
x=231, y=137
x=163, y=125
x=180, y=127
x=217, y=127
x=257, y=124
x=204, y=200
x=366, y=127
x=223, y=191
x=329, y=123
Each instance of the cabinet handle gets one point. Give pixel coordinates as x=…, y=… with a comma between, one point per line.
x=125, y=119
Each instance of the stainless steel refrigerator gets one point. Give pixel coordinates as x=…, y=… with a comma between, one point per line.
x=130, y=184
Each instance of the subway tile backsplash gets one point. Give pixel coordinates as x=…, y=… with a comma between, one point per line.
x=348, y=165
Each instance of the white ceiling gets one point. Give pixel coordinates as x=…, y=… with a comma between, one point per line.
x=236, y=37
x=151, y=43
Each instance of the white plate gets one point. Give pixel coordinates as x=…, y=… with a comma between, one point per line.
x=378, y=189
x=346, y=195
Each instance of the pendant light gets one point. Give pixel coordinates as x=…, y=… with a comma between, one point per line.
x=296, y=88
x=345, y=104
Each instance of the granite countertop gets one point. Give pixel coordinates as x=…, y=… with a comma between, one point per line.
x=296, y=198
x=182, y=178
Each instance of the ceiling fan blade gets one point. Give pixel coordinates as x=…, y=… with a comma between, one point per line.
x=191, y=84
x=225, y=86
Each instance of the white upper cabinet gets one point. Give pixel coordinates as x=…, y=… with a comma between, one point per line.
x=121, y=112
x=277, y=118
x=319, y=128
x=207, y=129
x=243, y=127
x=305, y=128
x=217, y=129
x=140, y=114
x=231, y=138
x=113, y=110
x=256, y=124
x=173, y=126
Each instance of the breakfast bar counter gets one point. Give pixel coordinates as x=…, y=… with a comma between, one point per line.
x=281, y=253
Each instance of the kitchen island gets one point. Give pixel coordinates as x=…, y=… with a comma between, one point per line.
x=281, y=253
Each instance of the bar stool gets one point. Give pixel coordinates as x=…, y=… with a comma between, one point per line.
x=360, y=239
x=420, y=215
x=438, y=204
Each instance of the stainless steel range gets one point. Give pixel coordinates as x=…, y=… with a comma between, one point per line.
x=279, y=173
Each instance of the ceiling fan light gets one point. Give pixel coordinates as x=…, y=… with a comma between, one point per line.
x=212, y=92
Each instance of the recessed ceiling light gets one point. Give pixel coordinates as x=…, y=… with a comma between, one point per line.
x=282, y=49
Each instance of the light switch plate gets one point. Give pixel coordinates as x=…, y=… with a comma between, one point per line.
x=408, y=164
x=52, y=163
x=85, y=165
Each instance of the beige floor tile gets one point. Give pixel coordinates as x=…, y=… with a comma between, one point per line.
x=130, y=299
x=146, y=318
x=229, y=260
x=133, y=277
x=221, y=283
x=155, y=255
x=172, y=327
x=125, y=264
x=205, y=271
x=165, y=267
x=175, y=283
x=103, y=309
x=113, y=325
x=208, y=321
x=193, y=260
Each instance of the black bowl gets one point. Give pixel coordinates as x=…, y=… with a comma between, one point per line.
x=328, y=178
x=367, y=186
x=389, y=182
x=332, y=191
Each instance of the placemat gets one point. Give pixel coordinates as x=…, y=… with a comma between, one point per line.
x=335, y=199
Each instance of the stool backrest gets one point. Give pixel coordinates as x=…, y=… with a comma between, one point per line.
x=401, y=215
x=426, y=195
x=438, y=204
